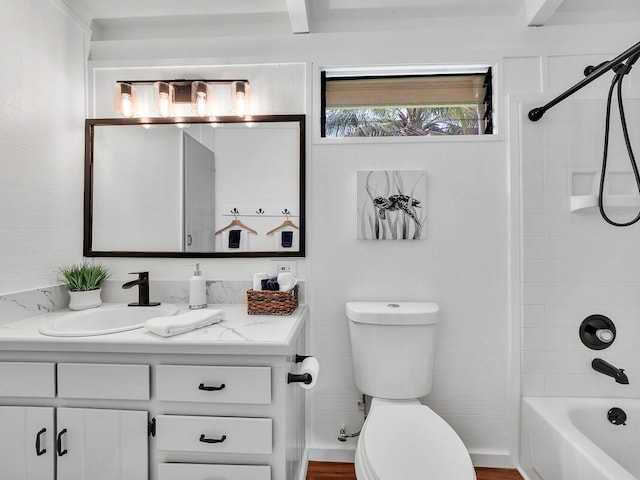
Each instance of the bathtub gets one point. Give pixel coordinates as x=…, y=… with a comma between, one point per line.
x=572, y=439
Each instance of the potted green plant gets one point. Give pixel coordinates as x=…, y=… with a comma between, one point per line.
x=85, y=283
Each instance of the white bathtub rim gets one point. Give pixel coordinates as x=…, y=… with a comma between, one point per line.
x=554, y=411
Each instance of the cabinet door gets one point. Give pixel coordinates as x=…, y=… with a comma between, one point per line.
x=26, y=443
x=96, y=444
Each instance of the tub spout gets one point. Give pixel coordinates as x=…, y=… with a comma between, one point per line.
x=606, y=368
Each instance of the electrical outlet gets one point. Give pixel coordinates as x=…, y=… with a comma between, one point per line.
x=282, y=266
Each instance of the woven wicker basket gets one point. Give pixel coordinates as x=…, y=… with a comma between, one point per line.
x=265, y=302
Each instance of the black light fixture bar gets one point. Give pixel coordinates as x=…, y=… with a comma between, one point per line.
x=592, y=73
x=182, y=87
x=182, y=80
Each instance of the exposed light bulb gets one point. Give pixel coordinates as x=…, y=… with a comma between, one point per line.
x=164, y=104
x=164, y=94
x=201, y=104
x=125, y=99
x=241, y=98
x=241, y=105
x=126, y=107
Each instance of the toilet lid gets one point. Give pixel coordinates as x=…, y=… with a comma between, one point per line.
x=412, y=442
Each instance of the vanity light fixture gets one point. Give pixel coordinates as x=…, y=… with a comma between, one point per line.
x=125, y=99
x=170, y=95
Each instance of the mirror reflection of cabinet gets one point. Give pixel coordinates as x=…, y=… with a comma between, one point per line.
x=199, y=195
x=159, y=188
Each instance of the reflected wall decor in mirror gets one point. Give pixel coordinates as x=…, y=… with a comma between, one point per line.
x=223, y=187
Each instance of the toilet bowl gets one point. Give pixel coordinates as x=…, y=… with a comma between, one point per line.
x=409, y=441
x=392, y=346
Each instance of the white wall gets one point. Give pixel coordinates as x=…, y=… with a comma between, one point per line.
x=42, y=106
x=462, y=265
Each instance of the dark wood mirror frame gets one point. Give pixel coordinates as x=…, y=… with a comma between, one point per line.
x=90, y=125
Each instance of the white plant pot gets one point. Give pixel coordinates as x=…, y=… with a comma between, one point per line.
x=83, y=300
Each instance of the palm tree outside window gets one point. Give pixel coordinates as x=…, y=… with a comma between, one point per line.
x=407, y=105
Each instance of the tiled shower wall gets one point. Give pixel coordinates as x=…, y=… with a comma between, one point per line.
x=573, y=264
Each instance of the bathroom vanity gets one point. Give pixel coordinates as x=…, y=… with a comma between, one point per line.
x=211, y=403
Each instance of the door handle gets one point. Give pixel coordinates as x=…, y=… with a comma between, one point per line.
x=61, y=452
x=189, y=239
x=39, y=451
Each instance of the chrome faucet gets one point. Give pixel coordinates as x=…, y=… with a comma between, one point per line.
x=606, y=368
x=143, y=290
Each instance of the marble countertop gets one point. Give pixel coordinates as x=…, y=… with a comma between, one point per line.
x=238, y=333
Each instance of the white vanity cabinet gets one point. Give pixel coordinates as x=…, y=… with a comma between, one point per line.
x=133, y=406
x=27, y=443
x=79, y=439
x=101, y=444
x=90, y=444
x=27, y=434
x=228, y=422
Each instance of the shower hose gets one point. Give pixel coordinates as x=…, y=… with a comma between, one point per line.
x=616, y=85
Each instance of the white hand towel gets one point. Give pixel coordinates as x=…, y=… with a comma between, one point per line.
x=183, y=322
x=257, y=280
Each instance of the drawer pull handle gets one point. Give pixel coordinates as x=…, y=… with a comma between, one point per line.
x=61, y=452
x=206, y=388
x=203, y=439
x=39, y=451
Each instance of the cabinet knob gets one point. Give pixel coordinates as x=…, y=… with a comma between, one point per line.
x=39, y=451
x=206, y=388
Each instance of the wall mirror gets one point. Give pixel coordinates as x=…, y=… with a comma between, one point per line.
x=194, y=187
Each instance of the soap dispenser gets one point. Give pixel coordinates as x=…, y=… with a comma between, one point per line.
x=197, y=290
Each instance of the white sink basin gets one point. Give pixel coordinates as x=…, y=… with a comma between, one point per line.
x=104, y=319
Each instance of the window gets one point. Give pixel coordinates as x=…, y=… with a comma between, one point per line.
x=406, y=105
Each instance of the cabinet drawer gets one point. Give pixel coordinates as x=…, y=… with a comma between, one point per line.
x=180, y=383
x=213, y=434
x=185, y=471
x=27, y=379
x=103, y=381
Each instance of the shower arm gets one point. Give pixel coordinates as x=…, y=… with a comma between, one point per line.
x=591, y=73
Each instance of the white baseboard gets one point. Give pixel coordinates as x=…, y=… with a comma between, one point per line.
x=331, y=455
x=479, y=458
x=523, y=474
x=491, y=459
x=303, y=465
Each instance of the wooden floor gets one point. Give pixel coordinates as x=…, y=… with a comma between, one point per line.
x=345, y=471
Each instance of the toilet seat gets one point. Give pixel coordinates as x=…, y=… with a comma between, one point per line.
x=410, y=442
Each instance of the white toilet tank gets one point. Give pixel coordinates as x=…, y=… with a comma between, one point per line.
x=392, y=345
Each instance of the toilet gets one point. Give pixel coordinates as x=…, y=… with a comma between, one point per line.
x=392, y=345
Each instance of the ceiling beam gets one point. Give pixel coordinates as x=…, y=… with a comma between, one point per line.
x=538, y=12
x=298, y=16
